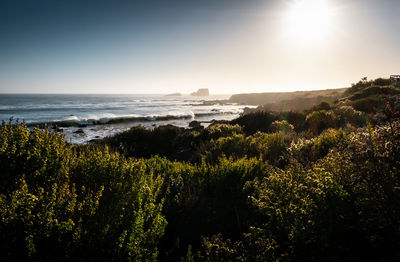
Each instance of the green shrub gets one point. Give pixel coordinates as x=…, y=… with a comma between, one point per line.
x=320, y=120
x=296, y=119
x=282, y=126
x=271, y=147
x=250, y=191
x=382, y=82
x=253, y=122
x=207, y=199
x=216, y=131
x=369, y=105
x=348, y=115
x=374, y=91
x=58, y=203
x=308, y=151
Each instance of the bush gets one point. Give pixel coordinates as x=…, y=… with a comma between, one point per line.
x=243, y=194
x=207, y=199
x=369, y=105
x=320, y=120
x=58, y=203
x=343, y=207
x=308, y=151
x=297, y=219
x=271, y=147
x=297, y=119
x=382, y=82
x=322, y=106
x=282, y=126
x=253, y=122
x=216, y=131
x=348, y=115
x=374, y=91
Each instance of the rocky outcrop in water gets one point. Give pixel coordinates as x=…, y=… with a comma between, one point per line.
x=201, y=92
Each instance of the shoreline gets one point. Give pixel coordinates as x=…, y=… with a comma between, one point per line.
x=84, y=118
x=83, y=134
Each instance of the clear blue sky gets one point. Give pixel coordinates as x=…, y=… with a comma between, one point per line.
x=228, y=46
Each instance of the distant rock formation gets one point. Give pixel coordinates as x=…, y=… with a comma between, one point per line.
x=79, y=131
x=201, y=92
x=174, y=94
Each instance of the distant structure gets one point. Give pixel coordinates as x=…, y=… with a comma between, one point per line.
x=201, y=92
x=395, y=79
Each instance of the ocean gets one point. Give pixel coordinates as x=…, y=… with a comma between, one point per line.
x=82, y=118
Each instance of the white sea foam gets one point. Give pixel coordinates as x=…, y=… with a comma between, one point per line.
x=103, y=115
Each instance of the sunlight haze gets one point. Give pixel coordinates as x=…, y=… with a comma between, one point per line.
x=180, y=46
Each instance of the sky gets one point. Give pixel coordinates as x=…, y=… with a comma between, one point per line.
x=228, y=46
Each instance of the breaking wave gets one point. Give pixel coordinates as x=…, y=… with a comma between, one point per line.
x=75, y=121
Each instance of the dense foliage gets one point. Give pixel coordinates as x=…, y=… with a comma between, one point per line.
x=321, y=184
x=61, y=202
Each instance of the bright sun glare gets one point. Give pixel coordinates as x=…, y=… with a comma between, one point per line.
x=309, y=21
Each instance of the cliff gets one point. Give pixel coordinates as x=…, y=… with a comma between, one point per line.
x=303, y=99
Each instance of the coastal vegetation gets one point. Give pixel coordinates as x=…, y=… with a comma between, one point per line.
x=299, y=100
x=320, y=184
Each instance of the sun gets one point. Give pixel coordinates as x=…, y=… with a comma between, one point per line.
x=309, y=21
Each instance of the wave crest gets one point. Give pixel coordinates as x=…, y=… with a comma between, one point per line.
x=74, y=121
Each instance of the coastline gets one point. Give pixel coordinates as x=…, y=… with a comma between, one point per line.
x=301, y=171
x=82, y=129
x=82, y=118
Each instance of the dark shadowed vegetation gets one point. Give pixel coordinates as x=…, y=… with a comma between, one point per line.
x=321, y=184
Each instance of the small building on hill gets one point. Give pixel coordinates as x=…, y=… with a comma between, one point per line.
x=395, y=79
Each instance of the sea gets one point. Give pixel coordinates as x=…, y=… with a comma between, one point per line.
x=82, y=118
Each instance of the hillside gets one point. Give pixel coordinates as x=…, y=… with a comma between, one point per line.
x=298, y=100
x=315, y=185
x=371, y=97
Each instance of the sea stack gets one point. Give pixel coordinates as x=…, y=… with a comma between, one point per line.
x=201, y=92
